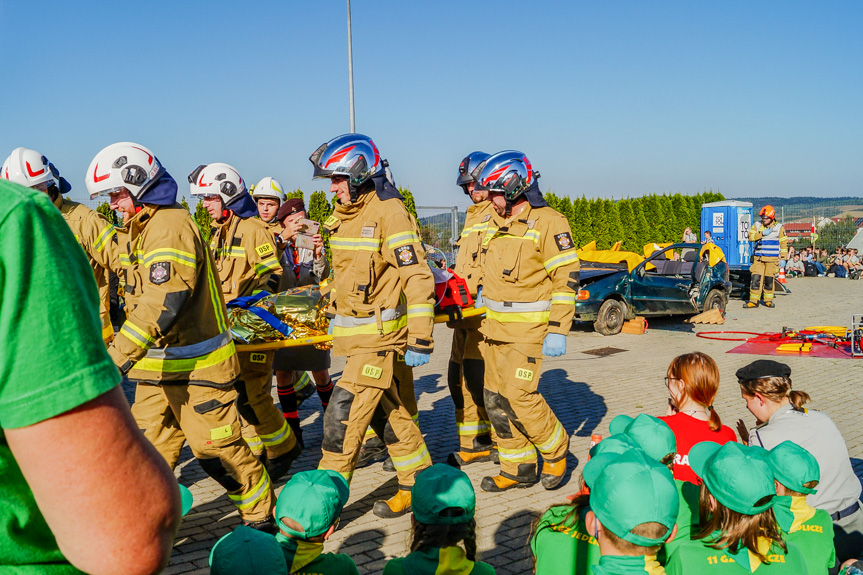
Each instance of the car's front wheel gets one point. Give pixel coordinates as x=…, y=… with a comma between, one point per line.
x=610, y=318
x=715, y=300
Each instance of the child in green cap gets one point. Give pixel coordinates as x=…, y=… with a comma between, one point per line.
x=738, y=531
x=307, y=513
x=443, y=505
x=796, y=474
x=634, y=504
x=247, y=551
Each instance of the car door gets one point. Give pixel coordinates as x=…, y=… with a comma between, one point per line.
x=660, y=291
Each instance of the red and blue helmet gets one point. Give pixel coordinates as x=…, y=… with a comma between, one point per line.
x=509, y=173
x=352, y=155
x=470, y=168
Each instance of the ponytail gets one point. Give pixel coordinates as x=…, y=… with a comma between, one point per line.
x=713, y=420
x=775, y=389
x=799, y=398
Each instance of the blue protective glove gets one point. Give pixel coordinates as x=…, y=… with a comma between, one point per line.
x=477, y=301
x=330, y=328
x=416, y=358
x=554, y=345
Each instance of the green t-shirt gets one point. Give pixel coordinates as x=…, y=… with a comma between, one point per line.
x=437, y=561
x=626, y=565
x=52, y=357
x=809, y=529
x=306, y=558
x=696, y=557
x=687, y=517
x=563, y=547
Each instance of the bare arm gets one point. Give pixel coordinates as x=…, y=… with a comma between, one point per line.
x=107, y=495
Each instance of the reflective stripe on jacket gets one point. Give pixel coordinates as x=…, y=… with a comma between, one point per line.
x=769, y=242
x=245, y=256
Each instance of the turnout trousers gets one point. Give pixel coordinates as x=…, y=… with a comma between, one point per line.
x=522, y=420
x=371, y=390
x=265, y=428
x=206, y=417
x=465, y=378
x=763, y=275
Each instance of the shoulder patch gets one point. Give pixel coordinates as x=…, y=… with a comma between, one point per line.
x=331, y=221
x=563, y=241
x=486, y=218
x=406, y=256
x=264, y=250
x=160, y=272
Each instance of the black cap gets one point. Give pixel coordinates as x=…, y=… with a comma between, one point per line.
x=763, y=368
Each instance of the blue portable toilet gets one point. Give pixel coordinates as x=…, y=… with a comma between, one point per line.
x=729, y=222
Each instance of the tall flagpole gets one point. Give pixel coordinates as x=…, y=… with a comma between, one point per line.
x=350, y=71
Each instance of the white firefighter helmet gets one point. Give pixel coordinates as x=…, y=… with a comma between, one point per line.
x=269, y=188
x=123, y=165
x=29, y=168
x=217, y=180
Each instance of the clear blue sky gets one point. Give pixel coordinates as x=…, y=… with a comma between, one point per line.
x=606, y=98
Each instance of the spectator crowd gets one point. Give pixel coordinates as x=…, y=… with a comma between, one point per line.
x=811, y=262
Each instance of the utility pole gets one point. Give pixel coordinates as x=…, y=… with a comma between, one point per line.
x=351, y=71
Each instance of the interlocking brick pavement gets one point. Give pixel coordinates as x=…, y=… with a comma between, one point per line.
x=585, y=392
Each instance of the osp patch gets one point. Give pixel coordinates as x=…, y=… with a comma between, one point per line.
x=406, y=256
x=160, y=272
x=563, y=241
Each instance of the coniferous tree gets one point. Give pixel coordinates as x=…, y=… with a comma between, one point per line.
x=105, y=209
x=615, y=228
x=599, y=221
x=627, y=221
x=580, y=222
x=643, y=229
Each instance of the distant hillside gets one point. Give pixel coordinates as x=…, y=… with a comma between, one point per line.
x=803, y=207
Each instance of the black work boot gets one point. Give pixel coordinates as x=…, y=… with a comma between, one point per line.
x=267, y=525
x=373, y=450
x=278, y=467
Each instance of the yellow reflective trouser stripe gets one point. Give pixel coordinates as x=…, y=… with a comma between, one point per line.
x=167, y=254
x=187, y=364
x=214, y=299
x=421, y=310
x=552, y=443
x=141, y=338
x=254, y=442
x=402, y=239
x=518, y=317
x=413, y=460
x=267, y=266
x=271, y=439
x=560, y=260
x=369, y=329
x=346, y=474
x=515, y=455
x=303, y=382
x=356, y=244
x=369, y=432
x=471, y=428
x=559, y=297
x=244, y=501
x=103, y=238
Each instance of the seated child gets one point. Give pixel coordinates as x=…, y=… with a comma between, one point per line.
x=307, y=513
x=443, y=504
x=247, y=551
x=634, y=504
x=738, y=531
x=796, y=474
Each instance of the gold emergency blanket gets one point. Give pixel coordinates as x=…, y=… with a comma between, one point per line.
x=303, y=309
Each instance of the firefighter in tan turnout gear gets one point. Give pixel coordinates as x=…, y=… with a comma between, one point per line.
x=94, y=232
x=771, y=245
x=245, y=256
x=529, y=285
x=383, y=306
x=466, y=371
x=176, y=344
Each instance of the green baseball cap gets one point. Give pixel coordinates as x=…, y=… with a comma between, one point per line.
x=629, y=489
x=186, y=499
x=737, y=475
x=793, y=466
x=442, y=487
x=618, y=444
x=651, y=433
x=247, y=551
x=314, y=499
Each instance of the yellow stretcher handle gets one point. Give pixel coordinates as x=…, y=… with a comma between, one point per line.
x=442, y=318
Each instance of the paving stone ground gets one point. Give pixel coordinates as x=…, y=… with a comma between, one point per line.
x=585, y=392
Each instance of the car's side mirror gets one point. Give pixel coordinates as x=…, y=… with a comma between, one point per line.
x=641, y=271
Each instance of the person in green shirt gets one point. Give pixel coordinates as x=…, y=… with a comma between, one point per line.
x=738, y=532
x=67, y=437
x=307, y=513
x=634, y=505
x=796, y=474
x=443, y=505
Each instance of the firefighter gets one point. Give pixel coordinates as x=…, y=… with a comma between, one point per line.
x=245, y=259
x=269, y=197
x=383, y=306
x=771, y=244
x=94, y=232
x=175, y=343
x=466, y=367
x=529, y=283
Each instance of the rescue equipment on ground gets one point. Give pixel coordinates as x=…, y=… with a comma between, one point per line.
x=816, y=341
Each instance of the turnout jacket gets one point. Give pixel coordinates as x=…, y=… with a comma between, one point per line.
x=468, y=263
x=530, y=276
x=383, y=290
x=245, y=255
x=96, y=235
x=176, y=331
x=771, y=243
